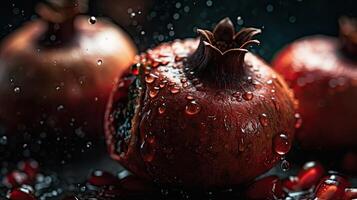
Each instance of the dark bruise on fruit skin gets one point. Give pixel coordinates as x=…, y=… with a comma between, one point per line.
x=323, y=75
x=193, y=133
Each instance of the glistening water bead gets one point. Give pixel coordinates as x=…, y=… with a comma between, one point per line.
x=92, y=20
x=281, y=144
x=192, y=108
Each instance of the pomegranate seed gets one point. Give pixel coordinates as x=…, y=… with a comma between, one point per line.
x=351, y=193
x=22, y=193
x=15, y=178
x=332, y=187
x=30, y=167
x=102, y=178
x=266, y=188
x=309, y=176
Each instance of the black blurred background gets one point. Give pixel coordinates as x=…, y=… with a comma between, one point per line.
x=150, y=22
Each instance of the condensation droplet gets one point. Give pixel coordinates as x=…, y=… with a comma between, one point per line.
x=147, y=149
x=192, y=108
x=99, y=62
x=150, y=78
x=17, y=90
x=153, y=92
x=298, y=120
x=248, y=96
x=285, y=165
x=281, y=144
x=162, y=109
x=263, y=118
x=175, y=90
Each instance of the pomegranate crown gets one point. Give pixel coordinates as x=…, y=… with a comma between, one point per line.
x=58, y=11
x=220, y=54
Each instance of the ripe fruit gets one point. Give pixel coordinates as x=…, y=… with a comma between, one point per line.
x=322, y=71
x=204, y=117
x=57, y=72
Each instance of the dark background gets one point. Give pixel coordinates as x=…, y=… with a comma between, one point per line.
x=164, y=20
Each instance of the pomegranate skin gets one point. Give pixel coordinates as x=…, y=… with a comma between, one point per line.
x=193, y=131
x=62, y=89
x=324, y=81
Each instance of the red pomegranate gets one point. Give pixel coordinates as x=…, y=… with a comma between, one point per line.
x=201, y=117
x=322, y=71
x=57, y=72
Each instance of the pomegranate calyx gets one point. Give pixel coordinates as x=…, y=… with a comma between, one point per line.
x=60, y=15
x=348, y=35
x=220, y=55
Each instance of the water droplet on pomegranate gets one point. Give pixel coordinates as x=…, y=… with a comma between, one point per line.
x=189, y=97
x=241, y=146
x=298, y=120
x=99, y=62
x=281, y=144
x=192, y=108
x=250, y=127
x=147, y=148
x=17, y=90
x=263, y=118
x=175, y=90
x=162, y=109
x=269, y=82
x=92, y=20
x=150, y=78
x=153, y=92
x=285, y=165
x=248, y=96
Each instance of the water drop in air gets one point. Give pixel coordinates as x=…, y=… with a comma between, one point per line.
x=92, y=20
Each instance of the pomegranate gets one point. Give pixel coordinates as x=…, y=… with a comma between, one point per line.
x=201, y=117
x=322, y=71
x=57, y=72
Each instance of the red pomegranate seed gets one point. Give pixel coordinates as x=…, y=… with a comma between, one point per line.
x=351, y=193
x=291, y=183
x=309, y=176
x=332, y=187
x=266, y=188
x=15, y=178
x=30, y=167
x=102, y=178
x=21, y=194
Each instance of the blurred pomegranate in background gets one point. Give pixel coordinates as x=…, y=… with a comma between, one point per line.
x=322, y=71
x=56, y=73
x=207, y=116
